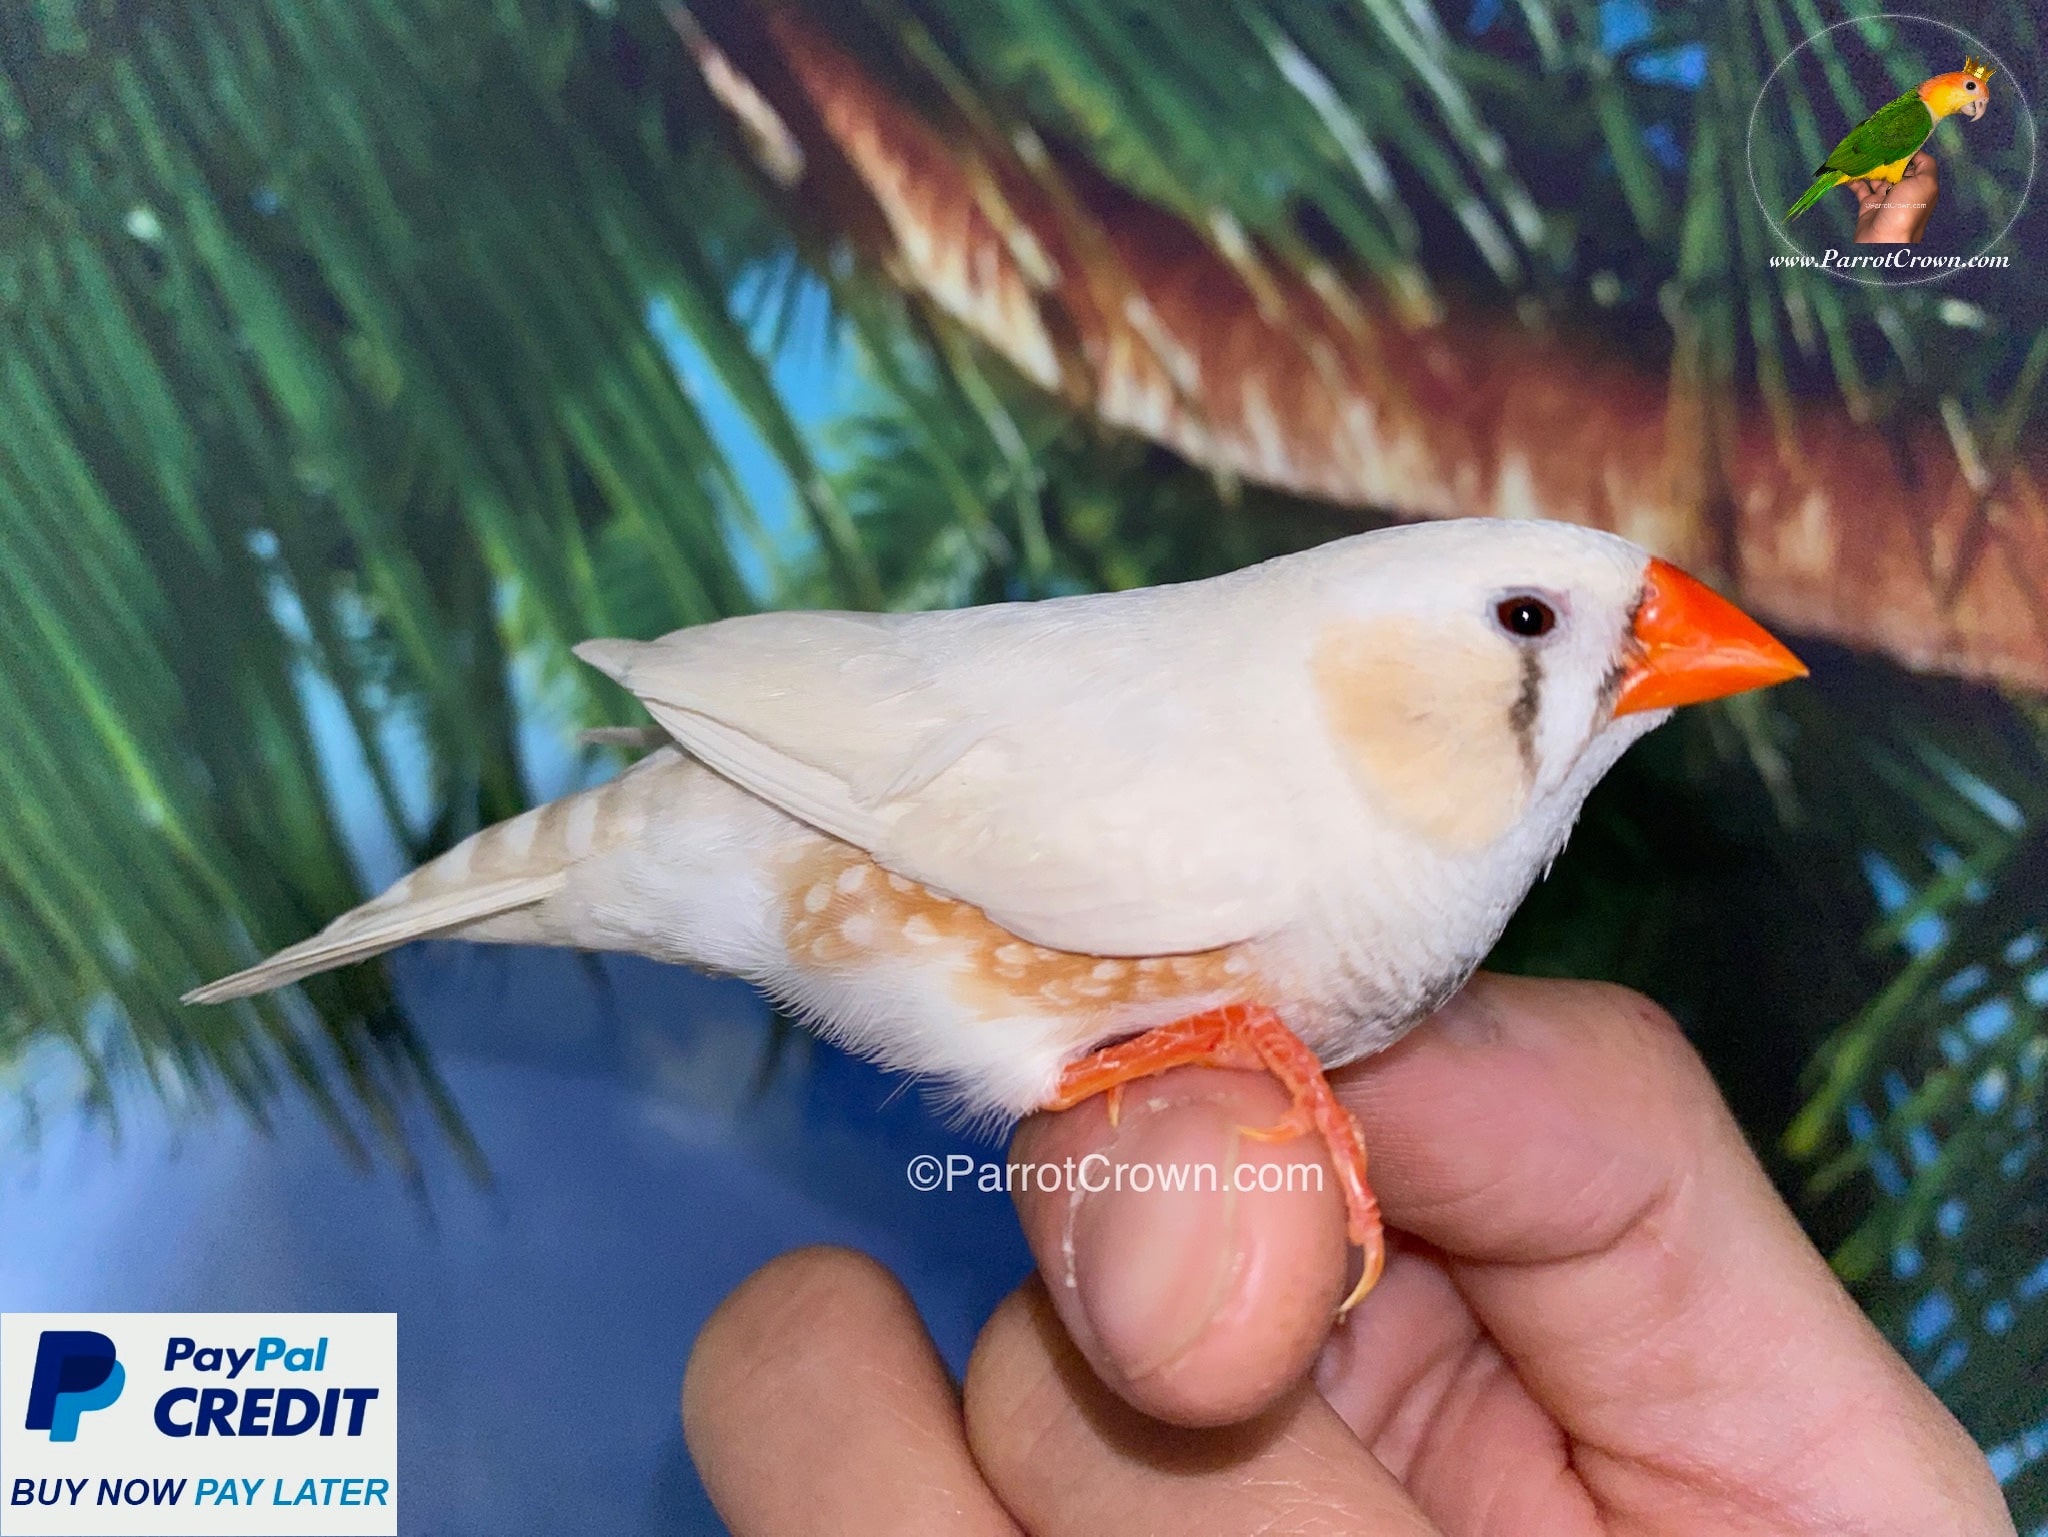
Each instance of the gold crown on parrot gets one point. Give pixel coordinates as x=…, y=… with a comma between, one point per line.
x=1978, y=71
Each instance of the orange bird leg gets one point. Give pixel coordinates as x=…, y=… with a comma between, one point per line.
x=1243, y=1035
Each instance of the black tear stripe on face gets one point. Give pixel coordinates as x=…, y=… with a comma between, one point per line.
x=1610, y=686
x=1522, y=714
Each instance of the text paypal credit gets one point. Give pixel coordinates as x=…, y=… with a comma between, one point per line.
x=194, y=1424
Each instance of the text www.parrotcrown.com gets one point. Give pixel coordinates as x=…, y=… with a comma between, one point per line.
x=1096, y=1172
x=1892, y=258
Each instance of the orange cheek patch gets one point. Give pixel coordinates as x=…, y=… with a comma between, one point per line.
x=1426, y=724
x=841, y=909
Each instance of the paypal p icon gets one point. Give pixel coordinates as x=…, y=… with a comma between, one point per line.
x=76, y=1370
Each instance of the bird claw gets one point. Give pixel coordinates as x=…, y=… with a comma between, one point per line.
x=1242, y=1035
x=1375, y=1256
x=1294, y=1124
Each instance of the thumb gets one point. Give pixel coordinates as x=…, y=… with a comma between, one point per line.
x=1197, y=1268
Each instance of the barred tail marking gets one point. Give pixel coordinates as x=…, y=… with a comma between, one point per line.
x=374, y=928
x=514, y=864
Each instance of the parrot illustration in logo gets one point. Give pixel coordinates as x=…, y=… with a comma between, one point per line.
x=1880, y=146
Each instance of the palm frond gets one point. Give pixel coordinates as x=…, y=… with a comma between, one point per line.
x=1209, y=317
x=328, y=365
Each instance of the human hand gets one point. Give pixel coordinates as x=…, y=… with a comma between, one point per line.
x=1896, y=213
x=1597, y=1317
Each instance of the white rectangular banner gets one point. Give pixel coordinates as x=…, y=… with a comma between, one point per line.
x=198, y=1424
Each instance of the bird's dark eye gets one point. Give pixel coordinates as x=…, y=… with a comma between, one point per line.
x=1969, y=85
x=1525, y=617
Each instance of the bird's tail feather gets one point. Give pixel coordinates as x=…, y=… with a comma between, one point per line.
x=376, y=927
x=1823, y=183
x=501, y=870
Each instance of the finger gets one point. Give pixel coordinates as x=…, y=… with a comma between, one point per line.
x=1605, y=1220
x=1202, y=1304
x=1069, y=1457
x=814, y=1403
x=1428, y=1391
x=1921, y=196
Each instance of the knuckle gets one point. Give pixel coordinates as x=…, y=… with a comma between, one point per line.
x=1647, y=1032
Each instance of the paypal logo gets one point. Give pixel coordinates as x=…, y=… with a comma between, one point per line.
x=76, y=1370
x=291, y=1417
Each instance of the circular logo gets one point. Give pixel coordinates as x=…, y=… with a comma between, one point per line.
x=1891, y=149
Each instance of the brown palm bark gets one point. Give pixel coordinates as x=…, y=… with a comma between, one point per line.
x=1879, y=536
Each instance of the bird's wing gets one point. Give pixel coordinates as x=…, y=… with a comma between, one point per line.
x=1037, y=761
x=1890, y=133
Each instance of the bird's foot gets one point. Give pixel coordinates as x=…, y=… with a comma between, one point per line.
x=1248, y=1036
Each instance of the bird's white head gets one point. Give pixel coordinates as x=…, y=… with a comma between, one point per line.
x=1474, y=669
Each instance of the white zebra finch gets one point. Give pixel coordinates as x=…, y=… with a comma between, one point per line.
x=1036, y=850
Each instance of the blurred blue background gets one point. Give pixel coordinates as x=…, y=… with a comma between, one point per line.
x=641, y=1166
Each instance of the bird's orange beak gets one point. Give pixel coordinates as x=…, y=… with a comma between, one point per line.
x=1693, y=644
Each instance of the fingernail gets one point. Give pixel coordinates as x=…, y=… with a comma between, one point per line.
x=1467, y=1019
x=1153, y=1265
